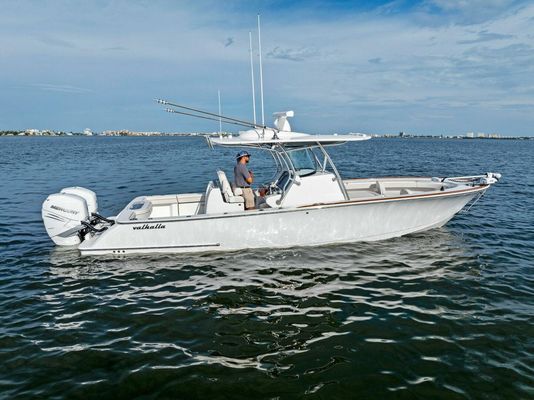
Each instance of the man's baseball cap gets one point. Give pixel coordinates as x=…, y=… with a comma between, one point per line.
x=242, y=154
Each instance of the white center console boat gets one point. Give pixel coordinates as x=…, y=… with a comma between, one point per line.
x=307, y=203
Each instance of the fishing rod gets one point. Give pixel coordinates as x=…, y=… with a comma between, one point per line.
x=227, y=119
x=170, y=110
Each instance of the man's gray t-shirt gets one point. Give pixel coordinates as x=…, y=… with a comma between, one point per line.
x=241, y=174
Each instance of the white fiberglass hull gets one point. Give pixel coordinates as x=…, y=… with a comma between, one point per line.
x=352, y=221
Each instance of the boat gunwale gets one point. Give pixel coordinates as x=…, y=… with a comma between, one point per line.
x=405, y=197
x=388, y=177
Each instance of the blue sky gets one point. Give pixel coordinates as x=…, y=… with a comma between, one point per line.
x=424, y=67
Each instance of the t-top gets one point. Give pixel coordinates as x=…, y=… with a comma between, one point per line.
x=240, y=175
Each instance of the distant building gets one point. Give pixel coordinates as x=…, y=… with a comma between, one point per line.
x=88, y=132
x=402, y=134
x=481, y=135
x=125, y=132
x=470, y=135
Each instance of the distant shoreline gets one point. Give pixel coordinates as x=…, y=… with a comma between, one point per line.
x=88, y=133
x=158, y=134
x=455, y=137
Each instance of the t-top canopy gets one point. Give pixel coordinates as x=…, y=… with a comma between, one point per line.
x=268, y=137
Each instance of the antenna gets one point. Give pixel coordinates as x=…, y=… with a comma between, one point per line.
x=252, y=75
x=261, y=74
x=220, y=120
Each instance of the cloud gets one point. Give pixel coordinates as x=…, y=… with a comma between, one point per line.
x=469, y=12
x=289, y=54
x=54, y=41
x=376, y=60
x=60, y=88
x=229, y=42
x=518, y=106
x=115, y=48
x=470, y=5
x=485, y=36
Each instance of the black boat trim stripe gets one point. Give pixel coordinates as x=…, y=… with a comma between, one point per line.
x=153, y=247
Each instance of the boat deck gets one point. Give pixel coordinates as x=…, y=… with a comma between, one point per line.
x=360, y=189
x=150, y=208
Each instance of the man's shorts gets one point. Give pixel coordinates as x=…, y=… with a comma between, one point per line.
x=248, y=195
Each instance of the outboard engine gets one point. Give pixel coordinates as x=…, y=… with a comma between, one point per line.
x=68, y=213
x=88, y=195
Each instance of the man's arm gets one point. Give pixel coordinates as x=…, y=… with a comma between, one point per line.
x=250, y=178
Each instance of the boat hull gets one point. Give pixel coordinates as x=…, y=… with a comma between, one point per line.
x=344, y=222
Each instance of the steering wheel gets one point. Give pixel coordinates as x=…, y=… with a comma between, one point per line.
x=272, y=188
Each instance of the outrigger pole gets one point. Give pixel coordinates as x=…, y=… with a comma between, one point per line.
x=170, y=110
x=261, y=73
x=226, y=120
x=252, y=75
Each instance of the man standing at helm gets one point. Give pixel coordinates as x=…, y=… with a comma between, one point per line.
x=243, y=178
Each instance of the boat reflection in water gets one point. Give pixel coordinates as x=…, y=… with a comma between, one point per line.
x=260, y=309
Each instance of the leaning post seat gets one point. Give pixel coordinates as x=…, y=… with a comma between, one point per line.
x=226, y=189
x=141, y=209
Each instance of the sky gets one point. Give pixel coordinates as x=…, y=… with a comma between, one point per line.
x=422, y=67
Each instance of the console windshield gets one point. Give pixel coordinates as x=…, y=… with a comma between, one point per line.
x=303, y=161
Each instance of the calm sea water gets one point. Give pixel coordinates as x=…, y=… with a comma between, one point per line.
x=444, y=314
